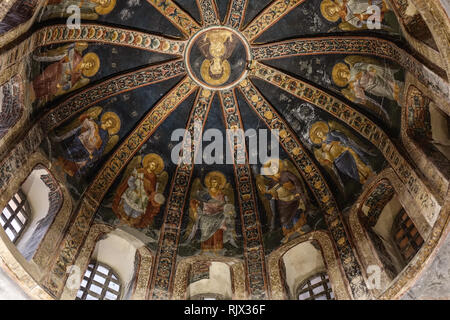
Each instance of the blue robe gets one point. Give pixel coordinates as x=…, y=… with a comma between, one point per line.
x=346, y=163
x=76, y=152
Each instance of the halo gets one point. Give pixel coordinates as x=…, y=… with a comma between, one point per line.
x=315, y=129
x=116, y=122
x=325, y=7
x=336, y=74
x=102, y=10
x=91, y=57
x=153, y=157
x=272, y=164
x=219, y=176
x=210, y=80
x=97, y=111
x=81, y=46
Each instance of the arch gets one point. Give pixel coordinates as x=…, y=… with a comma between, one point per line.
x=18, y=29
x=376, y=209
x=82, y=262
x=419, y=116
x=29, y=273
x=132, y=265
x=198, y=269
x=144, y=271
x=296, y=269
x=416, y=32
x=438, y=22
x=330, y=262
x=13, y=112
x=45, y=199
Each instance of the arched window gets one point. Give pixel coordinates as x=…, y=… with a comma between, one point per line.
x=99, y=282
x=317, y=287
x=14, y=216
x=406, y=236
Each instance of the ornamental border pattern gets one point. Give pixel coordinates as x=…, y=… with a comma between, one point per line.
x=236, y=14
x=7, y=139
x=353, y=45
x=144, y=273
x=254, y=255
x=57, y=34
x=268, y=17
x=85, y=214
x=361, y=124
x=180, y=19
x=18, y=156
x=161, y=283
x=316, y=182
x=208, y=12
x=109, y=88
x=437, y=180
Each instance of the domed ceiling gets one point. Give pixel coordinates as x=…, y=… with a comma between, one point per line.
x=113, y=93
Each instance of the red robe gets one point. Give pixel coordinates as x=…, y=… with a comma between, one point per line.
x=152, y=209
x=46, y=84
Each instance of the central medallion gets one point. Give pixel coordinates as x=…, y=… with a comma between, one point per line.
x=217, y=58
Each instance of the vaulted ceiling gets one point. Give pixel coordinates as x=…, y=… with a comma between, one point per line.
x=112, y=93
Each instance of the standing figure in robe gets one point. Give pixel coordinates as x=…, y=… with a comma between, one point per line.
x=86, y=140
x=338, y=153
x=139, y=197
x=212, y=212
x=283, y=193
x=69, y=71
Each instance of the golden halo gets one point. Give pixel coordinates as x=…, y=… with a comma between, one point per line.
x=337, y=74
x=219, y=176
x=325, y=9
x=210, y=80
x=114, y=118
x=274, y=163
x=153, y=157
x=91, y=57
x=81, y=46
x=315, y=129
x=94, y=112
x=102, y=10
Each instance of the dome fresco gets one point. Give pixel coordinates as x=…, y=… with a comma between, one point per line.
x=272, y=141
